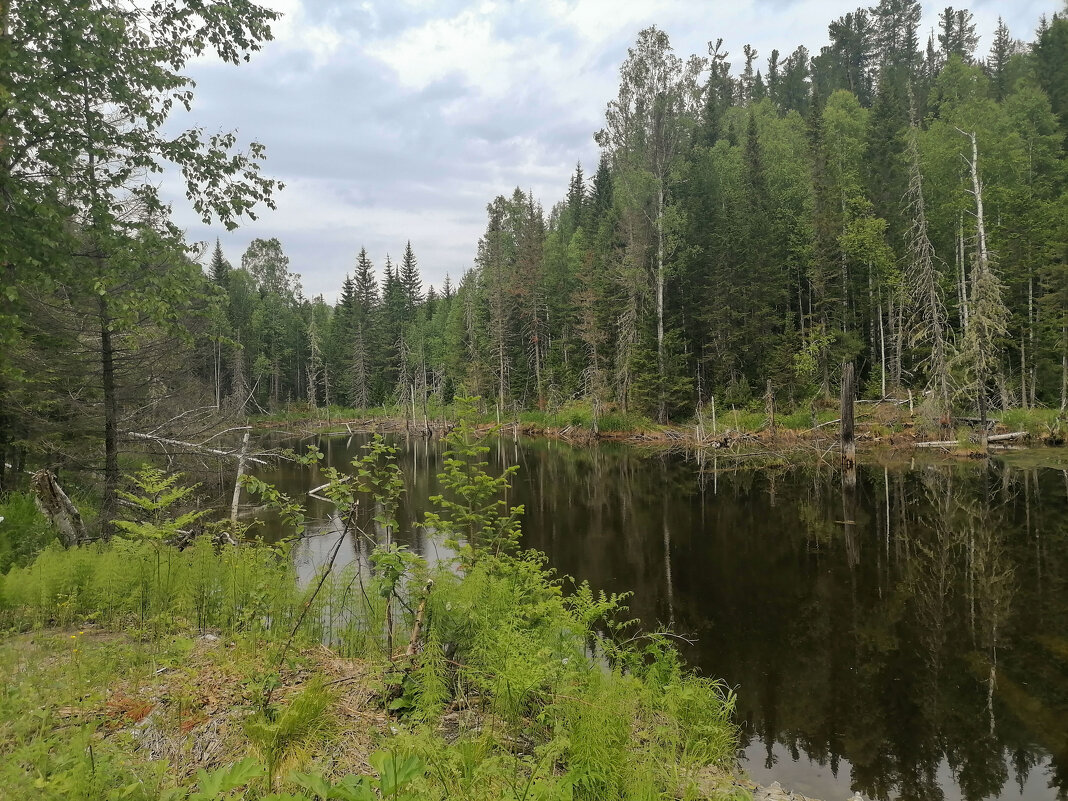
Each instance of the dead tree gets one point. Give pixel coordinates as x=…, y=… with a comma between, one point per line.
x=849, y=444
x=54, y=504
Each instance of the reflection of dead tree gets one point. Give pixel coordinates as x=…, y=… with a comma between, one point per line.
x=933, y=569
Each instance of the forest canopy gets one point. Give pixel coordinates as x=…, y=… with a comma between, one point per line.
x=753, y=224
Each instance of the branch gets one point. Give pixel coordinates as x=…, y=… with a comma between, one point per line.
x=192, y=446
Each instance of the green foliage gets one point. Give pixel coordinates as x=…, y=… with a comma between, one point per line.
x=158, y=494
x=289, y=737
x=23, y=530
x=607, y=712
x=219, y=783
x=142, y=582
x=472, y=508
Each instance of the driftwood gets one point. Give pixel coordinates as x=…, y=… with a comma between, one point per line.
x=57, y=507
x=952, y=443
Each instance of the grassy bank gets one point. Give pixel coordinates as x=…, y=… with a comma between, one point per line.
x=111, y=691
x=881, y=423
x=135, y=669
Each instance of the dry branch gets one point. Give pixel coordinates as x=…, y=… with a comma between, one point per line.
x=193, y=447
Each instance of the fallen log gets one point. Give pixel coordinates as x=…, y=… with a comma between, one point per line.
x=952, y=443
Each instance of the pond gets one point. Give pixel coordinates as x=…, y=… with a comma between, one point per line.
x=905, y=638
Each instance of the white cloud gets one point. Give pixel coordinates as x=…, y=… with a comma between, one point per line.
x=463, y=45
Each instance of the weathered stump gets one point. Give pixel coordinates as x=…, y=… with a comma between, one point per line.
x=57, y=507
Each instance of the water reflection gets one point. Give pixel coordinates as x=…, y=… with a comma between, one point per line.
x=906, y=637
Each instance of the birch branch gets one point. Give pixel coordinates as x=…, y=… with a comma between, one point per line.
x=192, y=446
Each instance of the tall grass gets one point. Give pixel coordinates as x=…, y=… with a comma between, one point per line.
x=124, y=583
x=23, y=530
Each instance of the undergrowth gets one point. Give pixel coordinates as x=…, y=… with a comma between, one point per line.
x=491, y=681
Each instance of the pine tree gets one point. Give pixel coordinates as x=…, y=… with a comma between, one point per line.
x=365, y=287
x=957, y=36
x=410, y=281
x=220, y=267
x=1051, y=65
x=1003, y=48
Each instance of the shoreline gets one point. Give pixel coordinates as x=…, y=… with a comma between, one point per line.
x=871, y=435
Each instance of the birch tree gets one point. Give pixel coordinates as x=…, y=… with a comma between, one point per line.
x=646, y=127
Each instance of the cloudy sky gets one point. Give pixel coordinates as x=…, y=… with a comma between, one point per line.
x=391, y=120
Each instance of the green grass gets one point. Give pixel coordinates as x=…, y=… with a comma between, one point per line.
x=1036, y=422
x=505, y=643
x=23, y=530
x=581, y=415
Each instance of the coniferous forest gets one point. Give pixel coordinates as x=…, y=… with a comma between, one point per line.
x=372, y=618
x=754, y=222
x=888, y=202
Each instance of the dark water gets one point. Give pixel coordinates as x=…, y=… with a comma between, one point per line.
x=906, y=639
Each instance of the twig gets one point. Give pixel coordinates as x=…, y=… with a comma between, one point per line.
x=417, y=628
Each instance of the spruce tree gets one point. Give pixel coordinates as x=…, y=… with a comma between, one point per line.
x=997, y=63
x=220, y=267
x=410, y=280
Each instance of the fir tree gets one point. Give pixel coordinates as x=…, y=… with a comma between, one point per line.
x=412, y=284
x=997, y=63
x=220, y=267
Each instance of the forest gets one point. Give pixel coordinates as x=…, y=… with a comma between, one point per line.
x=752, y=225
x=756, y=228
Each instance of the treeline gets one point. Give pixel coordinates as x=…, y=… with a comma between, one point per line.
x=877, y=202
x=749, y=228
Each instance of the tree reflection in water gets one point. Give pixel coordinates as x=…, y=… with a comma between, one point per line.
x=906, y=637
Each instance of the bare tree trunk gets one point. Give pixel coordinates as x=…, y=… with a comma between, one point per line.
x=848, y=441
x=217, y=354
x=109, y=502
x=662, y=406
x=882, y=345
x=237, y=483
x=897, y=333
x=984, y=445
x=769, y=404
x=1064, y=367
x=1023, y=370
x=239, y=391
x=1031, y=333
